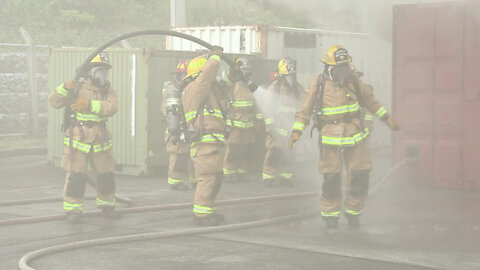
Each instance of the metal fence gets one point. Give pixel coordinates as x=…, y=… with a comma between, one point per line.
x=23, y=89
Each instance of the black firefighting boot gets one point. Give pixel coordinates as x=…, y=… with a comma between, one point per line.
x=210, y=220
x=178, y=186
x=268, y=183
x=331, y=222
x=353, y=221
x=110, y=212
x=242, y=178
x=286, y=182
x=74, y=217
x=229, y=179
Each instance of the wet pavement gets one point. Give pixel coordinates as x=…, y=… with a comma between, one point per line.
x=405, y=226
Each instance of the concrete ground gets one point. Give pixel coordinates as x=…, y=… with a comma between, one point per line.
x=405, y=226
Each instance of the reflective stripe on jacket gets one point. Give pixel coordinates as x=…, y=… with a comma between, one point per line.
x=205, y=91
x=103, y=104
x=341, y=111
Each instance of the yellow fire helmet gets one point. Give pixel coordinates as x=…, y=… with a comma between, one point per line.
x=286, y=66
x=336, y=55
x=101, y=60
x=195, y=66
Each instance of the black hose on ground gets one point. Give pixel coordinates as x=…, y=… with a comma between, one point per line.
x=165, y=207
x=24, y=261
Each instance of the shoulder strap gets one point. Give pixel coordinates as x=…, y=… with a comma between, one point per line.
x=356, y=85
x=318, y=105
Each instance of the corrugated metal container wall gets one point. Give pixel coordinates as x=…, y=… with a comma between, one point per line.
x=233, y=39
x=128, y=125
x=436, y=94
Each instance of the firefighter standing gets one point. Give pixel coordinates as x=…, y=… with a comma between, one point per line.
x=241, y=120
x=204, y=103
x=87, y=139
x=179, y=165
x=335, y=98
x=284, y=96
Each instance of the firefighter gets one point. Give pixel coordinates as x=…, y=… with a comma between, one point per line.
x=284, y=95
x=87, y=139
x=205, y=103
x=241, y=120
x=179, y=165
x=335, y=98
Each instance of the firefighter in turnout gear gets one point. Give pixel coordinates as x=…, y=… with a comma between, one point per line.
x=179, y=165
x=333, y=101
x=87, y=139
x=284, y=96
x=204, y=103
x=241, y=120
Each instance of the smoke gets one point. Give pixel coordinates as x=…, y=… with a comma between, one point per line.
x=372, y=16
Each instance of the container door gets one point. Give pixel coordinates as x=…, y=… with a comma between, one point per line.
x=413, y=83
x=471, y=99
x=447, y=96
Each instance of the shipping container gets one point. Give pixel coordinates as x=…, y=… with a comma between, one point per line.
x=307, y=47
x=137, y=77
x=436, y=95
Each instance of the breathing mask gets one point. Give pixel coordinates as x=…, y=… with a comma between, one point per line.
x=340, y=74
x=99, y=76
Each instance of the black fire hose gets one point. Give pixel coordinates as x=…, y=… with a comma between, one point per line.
x=72, y=96
x=200, y=42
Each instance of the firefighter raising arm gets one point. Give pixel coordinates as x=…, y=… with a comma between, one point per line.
x=202, y=84
x=58, y=97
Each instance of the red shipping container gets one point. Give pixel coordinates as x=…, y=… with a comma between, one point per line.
x=436, y=90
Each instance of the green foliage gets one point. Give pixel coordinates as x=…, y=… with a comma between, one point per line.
x=90, y=22
x=242, y=12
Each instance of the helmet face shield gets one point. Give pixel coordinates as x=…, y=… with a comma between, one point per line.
x=244, y=67
x=246, y=70
x=99, y=76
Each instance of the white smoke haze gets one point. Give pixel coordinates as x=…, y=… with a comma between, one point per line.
x=368, y=16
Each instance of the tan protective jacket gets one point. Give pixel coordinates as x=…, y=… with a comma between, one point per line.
x=89, y=132
x=242, y=115
x=205, y=94
x=343, y=124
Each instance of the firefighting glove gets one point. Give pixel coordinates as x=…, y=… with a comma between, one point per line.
x=81, y=104
x=293, y=138
x=70, y=85
x=392, y=123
